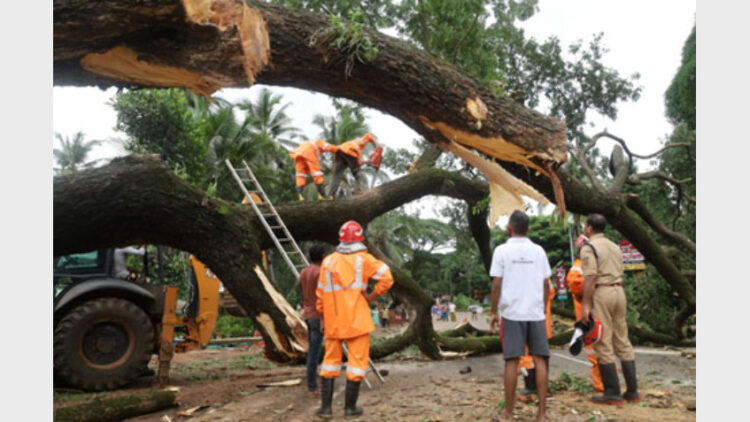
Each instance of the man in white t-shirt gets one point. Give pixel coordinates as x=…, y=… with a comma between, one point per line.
x=520, y=275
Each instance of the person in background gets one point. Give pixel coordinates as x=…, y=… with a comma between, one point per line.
x=308, y=279
x=575, y=284
x=120, y=267
x=526, y=362
x=452, y=311
x=307, y=162
x=520, y=275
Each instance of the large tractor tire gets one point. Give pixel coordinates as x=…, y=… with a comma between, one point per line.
x=103, y=344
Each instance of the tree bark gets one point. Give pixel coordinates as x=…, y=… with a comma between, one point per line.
x=164, y=44
x=147, y=203
x=117, y=408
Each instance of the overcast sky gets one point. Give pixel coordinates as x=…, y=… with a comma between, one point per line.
x=642, y=36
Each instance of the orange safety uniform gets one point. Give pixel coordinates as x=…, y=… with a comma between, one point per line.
x=575, y=285
x=527, y=361
x=307, y=160
x=346, y=314
x=355, y=147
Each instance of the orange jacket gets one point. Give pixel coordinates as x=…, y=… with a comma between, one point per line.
x=343, y=281
x=355, y=147
x=311, y=150
x=575, y=278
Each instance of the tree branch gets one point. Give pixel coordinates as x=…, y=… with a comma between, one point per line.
x=632, y=154
x=461, y=41
x=620, y=171
x=634, y=202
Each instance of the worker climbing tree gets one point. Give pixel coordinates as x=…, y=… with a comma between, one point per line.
x=349, y=155
x=307, y=160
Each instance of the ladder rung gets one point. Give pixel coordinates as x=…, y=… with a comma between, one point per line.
x=268, y=215
x=276, y=227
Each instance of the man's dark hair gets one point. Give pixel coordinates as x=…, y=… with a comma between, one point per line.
x=316, y=253
x=597, y=222
x=519, y=222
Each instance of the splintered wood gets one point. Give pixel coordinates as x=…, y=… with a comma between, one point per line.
x=241, y=28
x=296, y=346
x=505, y=189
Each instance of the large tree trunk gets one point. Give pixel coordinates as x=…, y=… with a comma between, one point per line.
x=147, y=203
x=177, y=43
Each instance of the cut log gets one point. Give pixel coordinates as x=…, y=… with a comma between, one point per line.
x=117, y=408
x=196, y=44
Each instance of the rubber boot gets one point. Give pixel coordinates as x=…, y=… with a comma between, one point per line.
x=529, y=381
x=299, y=193
x=326, y=397
x=611, y=386
x=628, y=372
x=321, y=193
x=350, y=400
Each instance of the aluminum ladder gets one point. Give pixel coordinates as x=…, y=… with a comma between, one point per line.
x=276, y=223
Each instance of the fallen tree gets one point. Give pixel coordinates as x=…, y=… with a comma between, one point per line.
x=205, y=45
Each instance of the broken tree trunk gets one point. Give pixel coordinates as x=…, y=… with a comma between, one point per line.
x=208, y=44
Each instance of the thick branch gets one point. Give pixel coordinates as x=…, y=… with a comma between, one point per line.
x=635, y=204
x=424, y=92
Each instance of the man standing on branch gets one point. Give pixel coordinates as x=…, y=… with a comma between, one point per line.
x=349, y=155
x=308, y=279
x=520, y=275
x=344, y=302
x=307, y=161
x=604, y=296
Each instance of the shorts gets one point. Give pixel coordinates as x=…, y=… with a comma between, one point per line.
x=515, y=335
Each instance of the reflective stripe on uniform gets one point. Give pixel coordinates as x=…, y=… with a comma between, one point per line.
x=356, y=371
x=576, y=269
x=325, y=367
x=300, y=174
x=330, y=287
x=380, y=272
x=317, y=173
x=358, y=275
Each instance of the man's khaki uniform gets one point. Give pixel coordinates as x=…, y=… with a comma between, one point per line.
x=609, y=303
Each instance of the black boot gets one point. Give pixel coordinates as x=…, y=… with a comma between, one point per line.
x=631, y=381
x=611, y=385
x=322, y=193
x=529, y=383
x=326, y=397
x=350, y=401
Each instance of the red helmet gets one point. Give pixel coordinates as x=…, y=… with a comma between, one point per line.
x=351, y=231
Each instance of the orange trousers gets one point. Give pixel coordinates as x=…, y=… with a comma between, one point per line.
x=306, y=167
x=596, y=377
x=357, y=362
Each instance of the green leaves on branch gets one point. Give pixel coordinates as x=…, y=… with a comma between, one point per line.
x=345, y=41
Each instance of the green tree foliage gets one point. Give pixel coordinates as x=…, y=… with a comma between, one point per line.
x=159, y=121
x=680, y=96
x=73, y=152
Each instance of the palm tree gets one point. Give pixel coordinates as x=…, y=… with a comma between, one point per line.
x=267, y=118
x=73, y=153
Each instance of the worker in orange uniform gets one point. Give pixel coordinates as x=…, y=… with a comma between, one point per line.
x=307, y=160
x=575, y=284
x=349, y=156
x=343, y=302
x=526, y=362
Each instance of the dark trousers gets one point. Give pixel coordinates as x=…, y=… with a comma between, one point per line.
x=341, y=162
x=314, y=338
